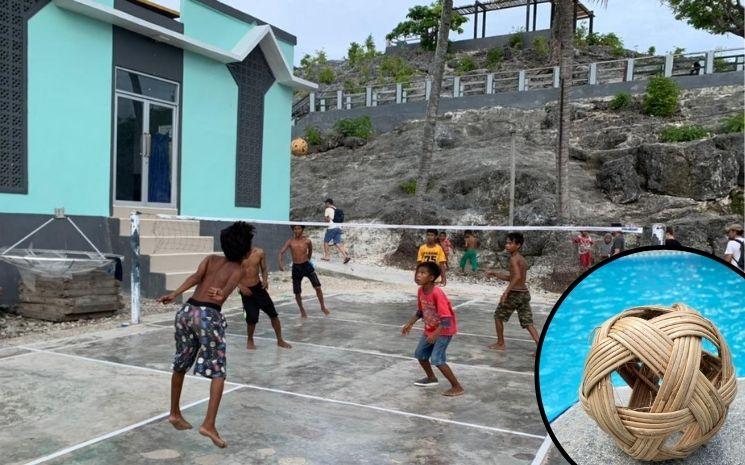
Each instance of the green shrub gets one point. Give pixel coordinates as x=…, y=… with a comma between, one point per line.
x=678, y=51
x=738, y=202
x=465, y=64
x=493, y=57
x=721, y=65
x=326, y=76
x=354, y=127
x=620, y=100
x=651, y=51
x=683, y=133
x=355, y=53
x=734, y=123
x=661, y=98
x=321, y=57
x=540, y=46
x=408, y=186
x=396, y=67
x=516, y=40
x=313, y=135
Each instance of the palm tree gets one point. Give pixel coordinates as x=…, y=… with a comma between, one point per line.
x=564, y=37
x=435, y=72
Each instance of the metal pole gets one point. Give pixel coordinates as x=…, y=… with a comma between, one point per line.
x=512, y=178
x=476, y=20
x=535, y=12
x=483, y=23
x=527, y=16
x=134, y=242
x=592, y=20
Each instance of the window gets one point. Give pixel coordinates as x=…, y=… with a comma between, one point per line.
x=127, y=81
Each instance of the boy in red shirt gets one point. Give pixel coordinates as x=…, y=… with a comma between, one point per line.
x=584, y=249
x=440, y=326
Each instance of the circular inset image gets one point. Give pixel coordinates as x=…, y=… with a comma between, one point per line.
x=640, y=359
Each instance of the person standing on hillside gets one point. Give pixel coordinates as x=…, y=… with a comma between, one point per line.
x=735, y=252
x=333, y=215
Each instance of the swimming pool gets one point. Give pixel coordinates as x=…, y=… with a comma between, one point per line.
x=652, y=277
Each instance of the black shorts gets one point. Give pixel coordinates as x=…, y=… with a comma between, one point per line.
x=258, y=300
x=300, y=271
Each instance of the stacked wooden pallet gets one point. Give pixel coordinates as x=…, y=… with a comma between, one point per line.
x=82, y=296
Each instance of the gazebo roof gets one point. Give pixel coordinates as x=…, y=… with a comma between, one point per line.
x=582, y=11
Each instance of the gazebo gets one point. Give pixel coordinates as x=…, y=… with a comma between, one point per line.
x=580, y=12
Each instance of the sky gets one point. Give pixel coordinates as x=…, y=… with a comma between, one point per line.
x=332, y=24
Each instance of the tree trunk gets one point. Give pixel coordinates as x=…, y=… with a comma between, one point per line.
x=565, y=33
x=435, y=74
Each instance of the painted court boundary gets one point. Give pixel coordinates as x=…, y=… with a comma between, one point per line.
x=235, y=387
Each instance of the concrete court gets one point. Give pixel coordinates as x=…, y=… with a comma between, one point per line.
x=342, y=395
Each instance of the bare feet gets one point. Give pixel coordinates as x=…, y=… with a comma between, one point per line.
x=303, y=314
x=214, y=436
x=454, y=391
x=179, y=422
x=282, y=343
x=325, y=259
x=250, y=345
x=325, y=311
x=496, y=345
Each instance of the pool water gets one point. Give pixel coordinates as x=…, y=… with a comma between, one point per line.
x=654, y=277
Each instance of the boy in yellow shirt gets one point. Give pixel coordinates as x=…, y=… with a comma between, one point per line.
x=431, y=251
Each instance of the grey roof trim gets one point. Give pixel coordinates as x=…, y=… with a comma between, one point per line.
x=238, y=14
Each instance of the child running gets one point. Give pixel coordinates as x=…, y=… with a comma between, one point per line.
x=470, y=255
x=200, y=325
x=440, y=325
x=431, y=252
x=301, y=249
x=255, y=297
x=516, y=298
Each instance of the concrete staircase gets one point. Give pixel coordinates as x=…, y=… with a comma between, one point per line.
x=170, y=250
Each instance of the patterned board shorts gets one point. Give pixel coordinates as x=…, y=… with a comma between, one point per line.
x=200, y=338
x=515, y=302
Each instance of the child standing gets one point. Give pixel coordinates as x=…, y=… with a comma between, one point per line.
x=440, y=325
x=447, y=246
x=516, y=298
x=431, y=252
x=301, y=249
x=584, y=249
x=200, y=325
x=470, y=255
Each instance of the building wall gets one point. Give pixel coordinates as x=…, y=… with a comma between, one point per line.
x=69, y=123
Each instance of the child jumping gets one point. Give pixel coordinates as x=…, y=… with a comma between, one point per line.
x=440, y=325
x=516, y=298
x=470, y=255
x=301, y=249
x=200, y=325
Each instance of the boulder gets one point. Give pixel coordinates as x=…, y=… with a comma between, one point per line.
x=446, y=137
x=619, y=181
x=353, y=142
x=734, y=144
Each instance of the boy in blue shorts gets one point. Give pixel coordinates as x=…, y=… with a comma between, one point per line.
x=200, y=325
x=440, y=325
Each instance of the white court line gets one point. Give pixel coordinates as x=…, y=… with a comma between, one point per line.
x=460, y=333
x=103, y=437
x=468, y=302
x=278, y=391
x=15, y=356
x=542, y=451
x=379, y=354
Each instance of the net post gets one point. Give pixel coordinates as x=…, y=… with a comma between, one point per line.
x=134, y=242
x=512, y=177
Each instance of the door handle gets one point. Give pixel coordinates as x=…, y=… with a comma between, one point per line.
x=146, y=144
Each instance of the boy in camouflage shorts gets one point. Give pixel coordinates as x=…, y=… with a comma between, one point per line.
x=516, y=298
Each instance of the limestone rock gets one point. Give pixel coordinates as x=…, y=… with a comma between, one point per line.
x=353, y=142
x=618, y=179
x=446, y=137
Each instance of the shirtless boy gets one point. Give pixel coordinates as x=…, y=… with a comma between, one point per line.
x=516, y=298
x=301, y=249
x=200, y=325
x=255, y=297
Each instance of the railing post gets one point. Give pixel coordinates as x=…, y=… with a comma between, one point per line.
x=403, y=96
x=593, y=74
x=374, y=98
x=323, y=104
x=427, y=88
x=490, y=83
x=629, y=70
x=456, y=86
x=710, y=62
x=339, y=98
x=368, y=96
x=557, y=73
x=399, y=88
x=349, y=102
x=521, y=80
x=668, y=65
x=312, y=102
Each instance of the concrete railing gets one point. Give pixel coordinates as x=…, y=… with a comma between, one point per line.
x=604, y=72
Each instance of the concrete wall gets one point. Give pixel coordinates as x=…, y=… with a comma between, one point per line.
x=388, y=117
x=469, y=45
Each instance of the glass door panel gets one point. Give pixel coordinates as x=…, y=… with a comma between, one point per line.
x=129, y=155
x=159, y=154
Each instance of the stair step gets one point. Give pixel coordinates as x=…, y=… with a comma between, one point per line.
x=150, y=245
x=175, y=279
x=176, y=262
x=124, y=212
x=160, y=227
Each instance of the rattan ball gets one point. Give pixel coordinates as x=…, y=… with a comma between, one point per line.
x=680, y=392
x=299, y=147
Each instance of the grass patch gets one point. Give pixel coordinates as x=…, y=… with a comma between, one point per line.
x=734, y=123
x=683, y=133
x=494, y=57
x=738, y=202
x=408, y=186
x=313, y=135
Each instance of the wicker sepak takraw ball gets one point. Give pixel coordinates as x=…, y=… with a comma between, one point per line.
x=680, y=392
